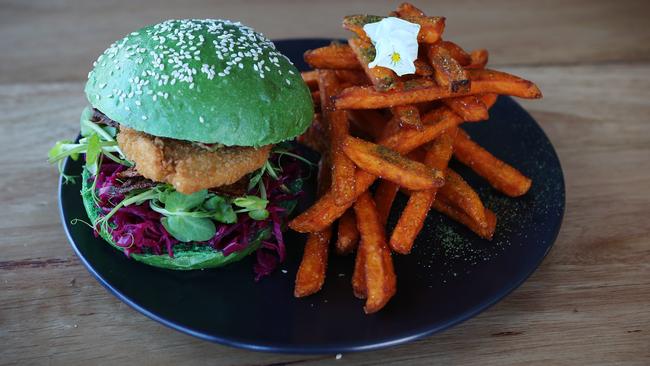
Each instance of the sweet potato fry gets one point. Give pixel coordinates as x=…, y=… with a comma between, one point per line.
x=353, y=77
x=367, y=121
x=422, y=68
x=459, y=54
x=418, y=154
x=311, y=272
x=334, y=56
x=348, y=234
x=384, y=197
x=500, y=175
x=393, y=126
x=419, y=203
x=408, y=116
x=492, y=81
x=382, y=78
x=390, y=165
x=378, y=264
x=316, y=136
x=324, y=178
x=457, y=191
x=448, y=72
x=435, y=122
x=489, y=99
x=411, y=13
x=342, y=167
x=315, y=97
x=369, y=98
x=444, y=207
x=479, y=58
x=431, y=28
x=483, y=81
x=411, y=221
x=359, y=276
x=470, y=108
x=311, y=79
x=355, y=23
x=408, y=10
x=325, y=210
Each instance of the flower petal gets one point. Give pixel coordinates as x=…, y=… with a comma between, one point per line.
x=395, y=43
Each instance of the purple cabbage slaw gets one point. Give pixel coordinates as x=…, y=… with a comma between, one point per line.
x=138, y=229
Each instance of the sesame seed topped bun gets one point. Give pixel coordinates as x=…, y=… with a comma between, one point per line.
x=208, y=81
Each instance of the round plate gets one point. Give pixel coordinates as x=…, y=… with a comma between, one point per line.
x=450, y=276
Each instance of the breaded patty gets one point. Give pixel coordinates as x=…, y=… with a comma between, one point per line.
x=189, y=168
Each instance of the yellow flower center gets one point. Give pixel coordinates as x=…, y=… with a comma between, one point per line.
x=395, y=57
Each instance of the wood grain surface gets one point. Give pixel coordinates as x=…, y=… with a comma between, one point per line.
x=589, y=302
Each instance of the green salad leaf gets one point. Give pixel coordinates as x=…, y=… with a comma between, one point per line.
x=176, y=201
x=254, y=206
x=187, y=228
x=93, y=150
x=221, y=209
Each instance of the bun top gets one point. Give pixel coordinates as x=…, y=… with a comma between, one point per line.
x=205, y=80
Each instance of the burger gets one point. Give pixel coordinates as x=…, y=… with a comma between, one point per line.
x=184, y=140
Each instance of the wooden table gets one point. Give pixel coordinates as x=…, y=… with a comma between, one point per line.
x=589, y=302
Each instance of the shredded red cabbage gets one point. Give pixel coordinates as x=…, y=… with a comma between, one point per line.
x=138, y=229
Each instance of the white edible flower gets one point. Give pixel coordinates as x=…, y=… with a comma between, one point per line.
x=396, y=44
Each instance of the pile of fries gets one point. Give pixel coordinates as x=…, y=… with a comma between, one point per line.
x=402, y=132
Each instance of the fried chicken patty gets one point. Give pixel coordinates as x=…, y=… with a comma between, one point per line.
x=189, y=168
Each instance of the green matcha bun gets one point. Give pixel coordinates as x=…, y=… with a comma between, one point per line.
x=204, y=80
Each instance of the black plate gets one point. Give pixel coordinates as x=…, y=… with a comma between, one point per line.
x=451, y=275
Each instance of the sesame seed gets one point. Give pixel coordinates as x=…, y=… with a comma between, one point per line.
x=201, y=119
x=144, y=118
